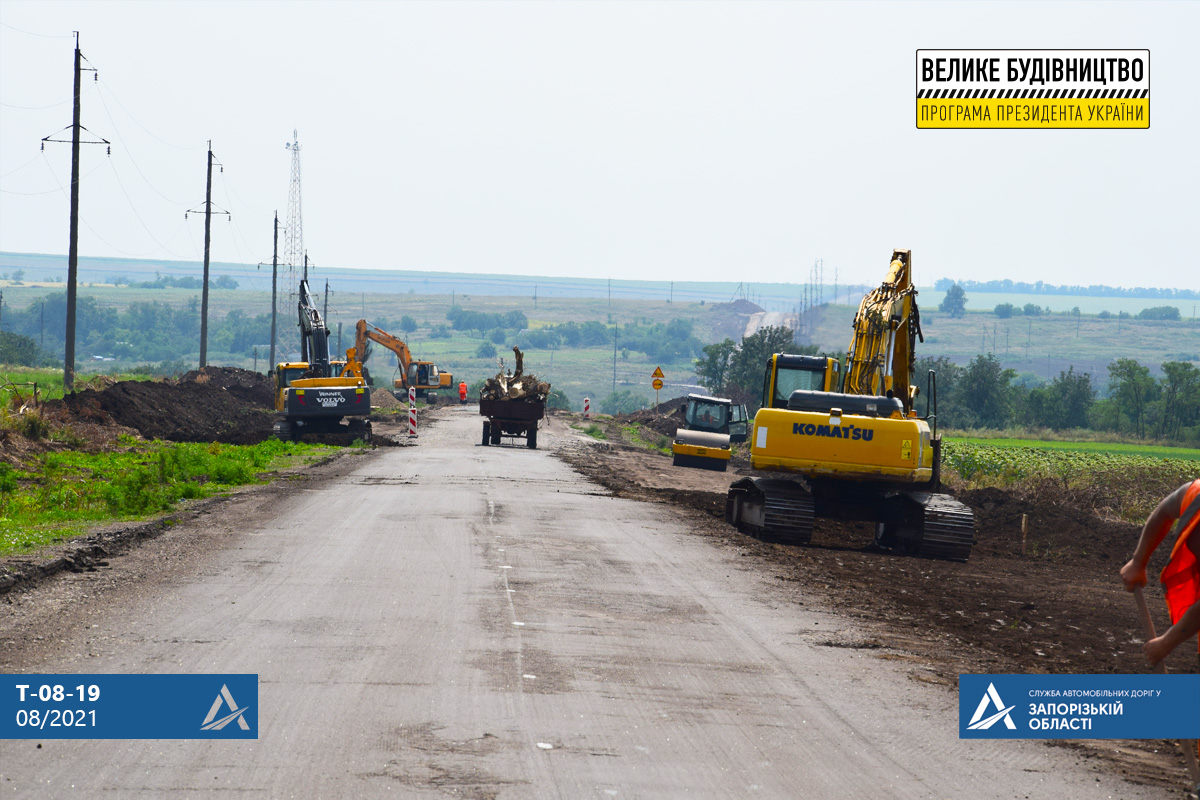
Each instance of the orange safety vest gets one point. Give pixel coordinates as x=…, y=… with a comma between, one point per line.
x=1181, y=577
x=462, y=391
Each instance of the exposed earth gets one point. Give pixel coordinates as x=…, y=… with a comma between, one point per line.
x=1054, y=604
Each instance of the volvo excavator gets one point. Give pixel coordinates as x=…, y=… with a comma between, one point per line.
x=851, y=446
x=423, y=375
x=313, y=395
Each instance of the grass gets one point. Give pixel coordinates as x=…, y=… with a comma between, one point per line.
x=59, y=494
x=595, y=431
x=647, y=438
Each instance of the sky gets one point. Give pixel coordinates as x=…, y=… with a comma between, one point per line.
x=656, y=140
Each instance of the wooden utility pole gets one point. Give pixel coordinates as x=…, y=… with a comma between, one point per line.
x=73, y=248
x=207, y=243
x=274, y=278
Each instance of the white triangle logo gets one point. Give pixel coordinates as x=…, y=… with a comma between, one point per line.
x=979, y=723
x=211, y=723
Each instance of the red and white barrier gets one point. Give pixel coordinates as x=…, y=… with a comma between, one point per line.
x=412, y=411
x=587, y=408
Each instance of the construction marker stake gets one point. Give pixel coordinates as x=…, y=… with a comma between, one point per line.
x=587, y=408
x=412, y=411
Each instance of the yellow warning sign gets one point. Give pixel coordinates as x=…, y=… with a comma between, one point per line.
x=658, y=373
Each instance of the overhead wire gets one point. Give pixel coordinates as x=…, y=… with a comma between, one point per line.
x=133, y=208
x=40, y=35
x=117, y=135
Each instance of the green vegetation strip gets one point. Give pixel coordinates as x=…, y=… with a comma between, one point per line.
x=1107, y=448
x=1126, y=485
x=61, y=492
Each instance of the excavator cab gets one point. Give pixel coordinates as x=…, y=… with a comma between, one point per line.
x=790, y=373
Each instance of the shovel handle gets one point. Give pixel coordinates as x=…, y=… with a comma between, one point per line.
x=1147, y=624
x=1189, y=747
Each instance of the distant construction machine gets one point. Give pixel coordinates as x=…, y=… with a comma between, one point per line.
x=853, y=446
x=312, y=395
x=711, y=425
x=424, y=375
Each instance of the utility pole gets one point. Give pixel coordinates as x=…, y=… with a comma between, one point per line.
x=535, y=295
x=614, y=357
x=610, y=294
x=305, y=265
x=274, y=290
x=42, y=343
x=1, y=310
x=671, y=297
x=325, y=311
x=73, y=247
x=340, y=339
x=207, y=244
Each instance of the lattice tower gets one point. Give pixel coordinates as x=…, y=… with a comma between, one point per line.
x=293, y=240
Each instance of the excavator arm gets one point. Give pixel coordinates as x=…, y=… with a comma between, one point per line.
x=314, y=335
x=881, y=355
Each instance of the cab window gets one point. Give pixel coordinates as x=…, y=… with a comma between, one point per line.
x=789, y=380
x=289, y=374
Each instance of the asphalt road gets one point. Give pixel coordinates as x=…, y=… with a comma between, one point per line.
x=453, y=620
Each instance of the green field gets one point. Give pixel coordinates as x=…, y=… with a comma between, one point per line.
x=1101, y=448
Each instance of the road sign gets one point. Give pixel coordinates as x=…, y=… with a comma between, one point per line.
x=658, y=373
x=657, y=384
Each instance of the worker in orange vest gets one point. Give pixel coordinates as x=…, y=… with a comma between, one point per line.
x=1181, y=576
x=462, y=392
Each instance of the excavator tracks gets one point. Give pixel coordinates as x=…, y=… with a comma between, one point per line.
x=771, y=510
x=948, y=527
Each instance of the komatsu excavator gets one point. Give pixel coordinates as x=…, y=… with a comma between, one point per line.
x=314, y=396
x=852, y=446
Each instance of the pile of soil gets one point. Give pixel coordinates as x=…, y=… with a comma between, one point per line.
x=666, y=418
x=215, y=404
x=382, y=398
x=739, y=306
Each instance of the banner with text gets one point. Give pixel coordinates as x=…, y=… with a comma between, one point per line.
x=1079, y=706
x=129, y=706
x=1033, y=88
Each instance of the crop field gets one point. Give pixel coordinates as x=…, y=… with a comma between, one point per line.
x=1101, y=448
x=1124, y=485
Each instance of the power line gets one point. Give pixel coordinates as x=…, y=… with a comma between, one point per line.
x=32, y=33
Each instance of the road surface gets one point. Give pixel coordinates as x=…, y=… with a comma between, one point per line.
x=453, y=620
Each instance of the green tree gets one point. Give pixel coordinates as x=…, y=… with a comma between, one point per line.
x=557, y=399
x=1129, y=384
x=18, y=350
x=485, y=350
x=713, y=368
x=623, y=401
x=1169, y=313
x=955, y=302
x=1069, y=398
x=1180, y=397
x=1005, y=310
x=408, y=324
x=746, y=366
x=983, y=393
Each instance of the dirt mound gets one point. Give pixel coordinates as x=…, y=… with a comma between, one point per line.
x=666, y=419
x=216, y=404
x=382, y=398
x=739, y=306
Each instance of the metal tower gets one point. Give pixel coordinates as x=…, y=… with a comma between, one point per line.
x=293, y=240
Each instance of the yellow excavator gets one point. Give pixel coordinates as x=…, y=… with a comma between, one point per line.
x=852, y=446
x=424, y=375
x=313, y=395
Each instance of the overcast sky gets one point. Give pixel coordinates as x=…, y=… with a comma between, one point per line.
x=660, y=140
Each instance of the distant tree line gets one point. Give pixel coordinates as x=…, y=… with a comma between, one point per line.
x=146, y=331
x=172, y=282
x=1040, y=287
